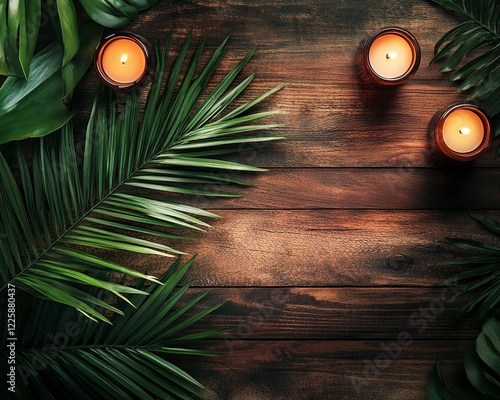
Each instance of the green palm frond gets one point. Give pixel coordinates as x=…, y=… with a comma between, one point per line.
x=483, y=277
x=61, y=354
x=131, y=178
x=481, y=363
x=476, y=40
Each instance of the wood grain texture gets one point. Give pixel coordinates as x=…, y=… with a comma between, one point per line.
x=335, y=313
x=366, y=188
x=323, y=248
x=327, y=370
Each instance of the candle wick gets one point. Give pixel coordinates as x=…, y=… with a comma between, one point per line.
x=391, y=55
x=464, y=131
x=123, y=59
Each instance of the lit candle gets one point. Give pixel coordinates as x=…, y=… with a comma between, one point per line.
x=463, y=132
x=122, y=61
x=391, y=56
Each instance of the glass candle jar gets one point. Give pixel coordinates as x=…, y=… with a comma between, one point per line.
x=391, y=56
x=463, y=132
x=122, y=61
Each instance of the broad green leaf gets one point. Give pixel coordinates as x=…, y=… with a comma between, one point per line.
x=477, y=376
x=69, y=29
x=115, y=13
x=491, y=329
x=34, y=107
x=28, y=34
x=436, y=389
x=15, y=14
x=488, y=353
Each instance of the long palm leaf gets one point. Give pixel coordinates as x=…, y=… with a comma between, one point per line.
x=62, y=354
x=58, y=215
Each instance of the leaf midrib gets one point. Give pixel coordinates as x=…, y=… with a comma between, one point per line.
x=87, y=213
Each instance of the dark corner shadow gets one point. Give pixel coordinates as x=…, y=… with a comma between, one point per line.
x=456, y=186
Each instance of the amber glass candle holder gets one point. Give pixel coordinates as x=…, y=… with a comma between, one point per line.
x=122, y=60
x=463, y=132
x=391, y=56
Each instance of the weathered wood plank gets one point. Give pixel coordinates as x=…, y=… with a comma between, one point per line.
x=326, y=370
x=323, y=248
x=335, y=313
x=367, y=188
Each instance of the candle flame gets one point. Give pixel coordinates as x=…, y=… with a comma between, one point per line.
x=123, y=60
x=392, y=55
x=464, y=131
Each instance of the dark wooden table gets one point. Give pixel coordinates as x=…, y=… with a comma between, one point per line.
x=329, y=261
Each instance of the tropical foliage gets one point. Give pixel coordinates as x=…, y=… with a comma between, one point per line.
x=481, y=363
x=56, y=215
x=476, y=40
x=482, y=281
x=20, y=22
x=62, y=354
x=34, y=100
x=37, y=106
x=483, y=276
